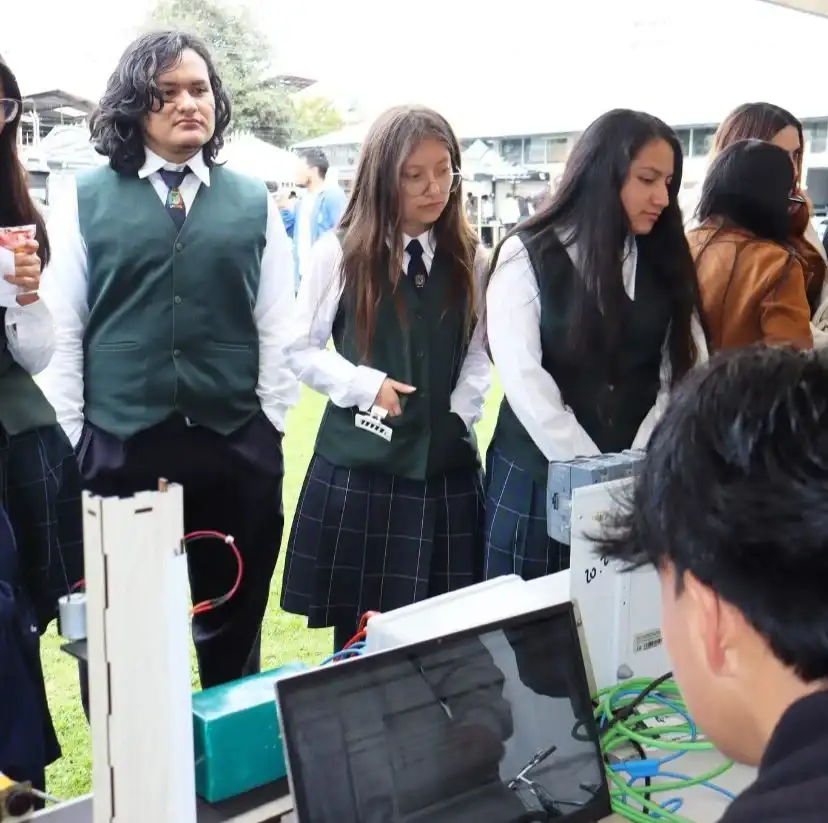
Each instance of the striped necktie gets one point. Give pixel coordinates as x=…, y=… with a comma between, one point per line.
x=176, y=207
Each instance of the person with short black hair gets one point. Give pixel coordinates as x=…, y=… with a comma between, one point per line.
x=731, y=507
x=316, y=212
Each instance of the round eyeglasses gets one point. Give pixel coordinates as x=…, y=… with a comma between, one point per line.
x=418, y=184
x=8, y=109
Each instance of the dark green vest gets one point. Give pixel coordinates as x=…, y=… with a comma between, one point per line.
x=171, y=325
x=427, y=351
x=23, y=406
x=609, y=395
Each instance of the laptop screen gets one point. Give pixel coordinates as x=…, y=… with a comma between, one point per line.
x=492, y=725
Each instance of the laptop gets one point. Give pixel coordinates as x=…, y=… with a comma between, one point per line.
x=488, y=725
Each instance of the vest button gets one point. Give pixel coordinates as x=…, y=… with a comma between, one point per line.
x=176, y=352
x=420, y=355
x=611, y=387
x=418, y=315
x=177, y=299
x=179, y=247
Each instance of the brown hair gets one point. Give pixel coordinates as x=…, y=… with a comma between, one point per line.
x=757, y=121
x=373, y=218
x=16, y=205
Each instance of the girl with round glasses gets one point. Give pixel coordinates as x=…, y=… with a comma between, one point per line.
x=592, y=319
x=40, y=488
x=391, y=508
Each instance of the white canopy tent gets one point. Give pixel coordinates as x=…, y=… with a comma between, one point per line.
x=249, y=155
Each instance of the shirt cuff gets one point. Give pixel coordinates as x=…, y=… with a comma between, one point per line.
x=367, y=384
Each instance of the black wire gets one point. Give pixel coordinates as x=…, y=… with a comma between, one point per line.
x=625, y=712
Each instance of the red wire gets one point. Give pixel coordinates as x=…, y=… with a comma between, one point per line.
x=362, y=630
x=209, y=605
x=206, y=605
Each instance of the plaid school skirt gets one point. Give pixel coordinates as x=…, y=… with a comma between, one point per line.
x=41, y=491
x=364, y=541
x=515, y=533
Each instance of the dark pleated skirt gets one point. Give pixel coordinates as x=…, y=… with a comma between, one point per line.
x=364, y=541
x=515, y=533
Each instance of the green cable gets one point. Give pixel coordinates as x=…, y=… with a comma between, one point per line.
x=624, y=732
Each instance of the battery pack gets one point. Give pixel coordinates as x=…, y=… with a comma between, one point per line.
x=238, y=744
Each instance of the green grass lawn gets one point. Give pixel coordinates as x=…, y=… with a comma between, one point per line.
x=284, y=636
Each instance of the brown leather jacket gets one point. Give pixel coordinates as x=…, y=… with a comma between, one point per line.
x=752, y=290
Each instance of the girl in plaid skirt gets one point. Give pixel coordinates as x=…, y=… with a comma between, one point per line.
x=391, y=508
x=41, y=534
x=592, y=318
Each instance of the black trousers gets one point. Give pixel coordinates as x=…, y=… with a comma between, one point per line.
x=232, y=485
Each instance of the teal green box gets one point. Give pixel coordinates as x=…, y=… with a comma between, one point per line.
x=238, y=744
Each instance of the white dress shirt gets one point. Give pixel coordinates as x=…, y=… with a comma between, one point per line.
x=30, y=331
x=65, y=292
x=322, y=368
x=513, y=314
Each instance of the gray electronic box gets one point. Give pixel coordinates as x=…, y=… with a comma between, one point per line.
x=583, y=471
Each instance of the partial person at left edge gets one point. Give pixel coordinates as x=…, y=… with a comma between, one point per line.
x=170, y=283
x=41, y=543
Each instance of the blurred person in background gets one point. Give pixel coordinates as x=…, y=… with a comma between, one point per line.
x=314, y=214
x=754, y=286
x=773, y=124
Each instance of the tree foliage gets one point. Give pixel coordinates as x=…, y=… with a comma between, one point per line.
x=243, y=58
x=313, y=116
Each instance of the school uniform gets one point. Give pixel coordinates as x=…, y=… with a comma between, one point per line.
x=39, y=481
x=792, y=784
x=558, y=407
x=170, y=291
x=383, y=524
x=28, y=742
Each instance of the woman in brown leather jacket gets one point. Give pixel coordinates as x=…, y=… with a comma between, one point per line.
x=754, y=286
x=773, y=124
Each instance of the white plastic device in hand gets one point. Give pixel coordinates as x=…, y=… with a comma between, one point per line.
x=372, y=422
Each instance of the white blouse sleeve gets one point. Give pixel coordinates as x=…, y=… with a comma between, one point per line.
x=513, y=326
x=308, y=355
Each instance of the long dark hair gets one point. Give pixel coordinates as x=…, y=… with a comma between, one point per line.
x=373, y=215
x=586, y=208
x=749, y=185
x=118, y=123
x=758, y=121
x=16, y=205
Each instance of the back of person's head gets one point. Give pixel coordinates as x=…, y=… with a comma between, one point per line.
x=750, y=184
x=731, y=506
x=762, y=121
x=623, y=177
x=407, y=180
x=16, y=205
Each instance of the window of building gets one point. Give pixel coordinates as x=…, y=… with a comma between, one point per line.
x=512, y=150
x=535, y=150
x=816, y=136
x=557, y=149
x=702, y=141
x=684, y=138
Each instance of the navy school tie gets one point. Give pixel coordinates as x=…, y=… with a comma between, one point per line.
x=176, y=207
x=417, y=271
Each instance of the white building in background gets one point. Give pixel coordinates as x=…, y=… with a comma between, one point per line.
x=529, y=95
